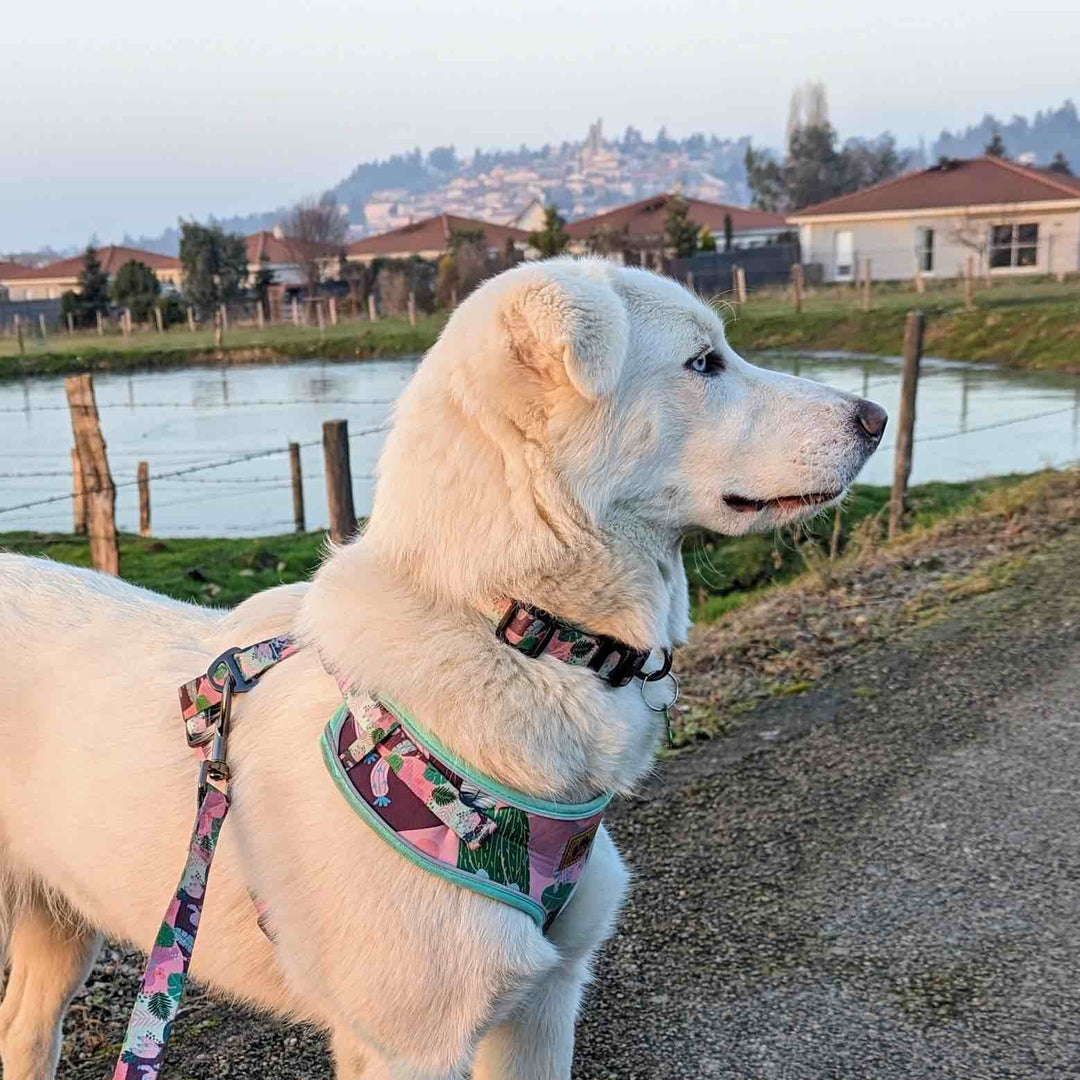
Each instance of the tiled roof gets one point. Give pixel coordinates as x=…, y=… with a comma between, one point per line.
x=648, y=218
x=279, y=250
x=433, y=234
x=112, y=258
x=982, y=181
x=9, y=270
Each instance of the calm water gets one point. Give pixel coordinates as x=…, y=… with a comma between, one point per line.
x=972, y=421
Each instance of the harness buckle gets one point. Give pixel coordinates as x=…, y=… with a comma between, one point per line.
x=631, y=661
x=240, y=683
x=215, y=767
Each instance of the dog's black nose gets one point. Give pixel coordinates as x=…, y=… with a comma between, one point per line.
x=872, y=418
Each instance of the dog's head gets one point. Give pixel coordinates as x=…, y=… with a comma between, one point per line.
x=574, y=398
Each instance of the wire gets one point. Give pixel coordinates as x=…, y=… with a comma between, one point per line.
x=197, y=405
x=239, y=459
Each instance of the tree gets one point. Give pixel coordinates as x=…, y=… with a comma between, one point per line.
x=359, y=279
x=815, y=168
x=135, y=286
x=264, y=279
x=996, y=147
x=92, y=295
x=552, y=239
x=464, y=265
x=708, y=241
x=682, y=233
x=315, y=233
x=93, y=282
x=607, y=240
x=215, y=265
x=1060, y=164
x=729, y=233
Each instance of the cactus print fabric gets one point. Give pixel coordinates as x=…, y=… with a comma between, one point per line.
x=466, y=828
x=166, y=970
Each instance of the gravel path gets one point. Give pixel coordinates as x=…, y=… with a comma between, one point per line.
x=877, y=878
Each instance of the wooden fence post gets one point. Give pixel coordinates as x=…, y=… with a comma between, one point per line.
x=71, y=323
x=690, y=280
x=740, y=282
x=159, y=319
x=100, y=324
x=295, y=312
x=868, y=277
x=796, y=285
x=260, y=314
x=191, y=319
x=319, y=316
x=224, y=318
x=909, y=383
x=339, y=500
x=735, y=281
x=78, y=495
x=41, y=324
x=372, y=314
x=18, y=333
x=834, y=541
x=125, y=323
x=969, y=284
x=97, y=479
x=297, y=486
x=920, y=284
x=412, y=308
x=144, y=498
x=218, y=334
x=333, y=310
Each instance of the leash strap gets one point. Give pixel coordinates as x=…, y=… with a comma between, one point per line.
x=205, y=704
x=163, y=983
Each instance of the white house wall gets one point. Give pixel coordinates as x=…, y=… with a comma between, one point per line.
x=890, y=244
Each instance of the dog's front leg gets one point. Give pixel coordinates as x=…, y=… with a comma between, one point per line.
x=537, y=1041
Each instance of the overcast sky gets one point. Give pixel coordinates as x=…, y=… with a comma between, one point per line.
x=121, y=116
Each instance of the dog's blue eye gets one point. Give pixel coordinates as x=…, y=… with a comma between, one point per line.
x=708, y=363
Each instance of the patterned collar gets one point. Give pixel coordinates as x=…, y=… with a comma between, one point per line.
x=535, y=632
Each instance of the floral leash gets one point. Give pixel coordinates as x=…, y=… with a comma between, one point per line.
x=206, y=705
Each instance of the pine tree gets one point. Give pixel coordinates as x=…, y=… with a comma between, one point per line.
x=552, y=238
x=996, y=147
x=93, y=284
x=682, y=233
x=1060, y=164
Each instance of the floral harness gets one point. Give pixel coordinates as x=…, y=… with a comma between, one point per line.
x=428, y=805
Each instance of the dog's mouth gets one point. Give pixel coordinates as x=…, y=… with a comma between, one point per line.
x=742, y=505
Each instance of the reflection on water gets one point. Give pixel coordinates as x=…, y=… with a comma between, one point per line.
x=971, y=421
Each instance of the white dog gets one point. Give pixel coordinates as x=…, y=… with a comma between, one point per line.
x=574, y=420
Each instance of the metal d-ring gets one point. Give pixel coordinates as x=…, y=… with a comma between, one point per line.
x=663, y=672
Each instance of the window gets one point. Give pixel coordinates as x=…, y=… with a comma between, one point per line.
x=924, y=249
x=844, y=251
x=1014, y=246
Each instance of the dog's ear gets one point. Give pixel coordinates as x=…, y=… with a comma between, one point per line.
x=573, y=319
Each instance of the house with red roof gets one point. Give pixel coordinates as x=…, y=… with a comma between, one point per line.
x=997, y=216
x=51, y=281
x=431, y=238
x=637, y=231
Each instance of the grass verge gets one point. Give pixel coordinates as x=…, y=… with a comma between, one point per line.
x=724, y=572
x=64, y=355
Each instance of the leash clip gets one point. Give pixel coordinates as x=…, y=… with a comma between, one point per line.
x=215, y=768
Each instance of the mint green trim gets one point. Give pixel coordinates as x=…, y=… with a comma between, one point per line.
x=562, y=811
x=490, y=889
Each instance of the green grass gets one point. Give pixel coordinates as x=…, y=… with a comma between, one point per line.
x=64, y=354
x=1029, y=324
x=724, y=572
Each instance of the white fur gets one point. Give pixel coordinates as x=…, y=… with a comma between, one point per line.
x=552, y=447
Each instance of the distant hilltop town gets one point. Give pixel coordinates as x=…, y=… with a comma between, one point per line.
x=582, y=179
